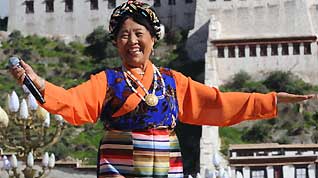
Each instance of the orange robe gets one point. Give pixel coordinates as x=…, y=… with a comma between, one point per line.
x=198, y=104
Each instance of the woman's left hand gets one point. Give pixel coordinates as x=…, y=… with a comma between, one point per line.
x=283, y=97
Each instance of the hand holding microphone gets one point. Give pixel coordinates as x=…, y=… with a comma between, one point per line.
x=25, y=75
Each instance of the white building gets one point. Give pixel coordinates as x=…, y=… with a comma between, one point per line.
x=78, y=18
x=256, y=36
x=274, y=160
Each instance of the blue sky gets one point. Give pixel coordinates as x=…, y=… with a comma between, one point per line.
x=4, y=7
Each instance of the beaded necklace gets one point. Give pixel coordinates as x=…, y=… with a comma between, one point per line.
x=150, y=99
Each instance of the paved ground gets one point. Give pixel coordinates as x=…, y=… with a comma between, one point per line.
x=59, y=173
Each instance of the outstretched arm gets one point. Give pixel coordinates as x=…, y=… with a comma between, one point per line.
x=203, y=105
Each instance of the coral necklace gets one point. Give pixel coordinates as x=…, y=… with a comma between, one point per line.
x=151, y=99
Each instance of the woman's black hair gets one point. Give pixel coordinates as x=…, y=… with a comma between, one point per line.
x=137, y=18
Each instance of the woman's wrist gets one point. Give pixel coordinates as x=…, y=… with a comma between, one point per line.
x=40, y=84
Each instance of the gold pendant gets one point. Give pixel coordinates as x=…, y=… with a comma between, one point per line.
x=151, y=99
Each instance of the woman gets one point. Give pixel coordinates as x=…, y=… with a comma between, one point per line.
x=141, y=104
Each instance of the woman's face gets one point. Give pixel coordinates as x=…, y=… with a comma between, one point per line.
x=134, y=43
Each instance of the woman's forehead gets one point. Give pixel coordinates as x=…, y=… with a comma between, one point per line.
x=130, y=24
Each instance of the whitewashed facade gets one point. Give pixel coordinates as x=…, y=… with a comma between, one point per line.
x=274, y=160
x=76, y=19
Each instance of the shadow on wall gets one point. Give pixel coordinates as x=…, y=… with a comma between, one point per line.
x=196, y=46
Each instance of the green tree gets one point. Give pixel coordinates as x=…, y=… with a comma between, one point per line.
x=286, y=81
x=258, y=133
x=100, y=45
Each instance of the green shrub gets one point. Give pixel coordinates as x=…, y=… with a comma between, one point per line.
x=258, y=133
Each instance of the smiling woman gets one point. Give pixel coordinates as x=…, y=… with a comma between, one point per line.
x=140, y=104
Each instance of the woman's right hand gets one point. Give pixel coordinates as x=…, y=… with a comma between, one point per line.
x=19, y=72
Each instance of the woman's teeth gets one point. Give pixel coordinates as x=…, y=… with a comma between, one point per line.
x=134, y=51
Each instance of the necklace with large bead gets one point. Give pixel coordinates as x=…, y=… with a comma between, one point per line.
x=151, y=99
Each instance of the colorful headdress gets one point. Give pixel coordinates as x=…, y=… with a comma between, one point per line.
x=134, y=7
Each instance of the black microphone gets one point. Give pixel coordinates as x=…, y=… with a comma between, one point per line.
x=15, y=61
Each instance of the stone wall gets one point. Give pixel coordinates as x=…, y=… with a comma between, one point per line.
x=82, y=20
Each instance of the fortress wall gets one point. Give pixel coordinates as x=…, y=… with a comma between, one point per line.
x=303, y=65
x=80, y=22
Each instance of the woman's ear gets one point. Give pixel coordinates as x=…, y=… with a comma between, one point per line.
x=154, y=40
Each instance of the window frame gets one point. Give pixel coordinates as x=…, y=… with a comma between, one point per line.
x=69, y=5
x=49, y=6
x=111, y=4
x=29, y=7
x=171, y=2
x=252, y=50
x=157, y=3
x=94, y=4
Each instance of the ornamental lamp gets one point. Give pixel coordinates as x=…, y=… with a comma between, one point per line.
x=45, y=159
x=4, y=119
x=6, y=163
x=52, y=161
x=30, y=160
x=216, y=159
x=32, y=103
x=46, y=122
x=41, y=113
x=14, y=161
x=14, y=102
x=24, y=113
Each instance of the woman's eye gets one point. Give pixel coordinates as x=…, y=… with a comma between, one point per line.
x=124, y=36
x=138, y=34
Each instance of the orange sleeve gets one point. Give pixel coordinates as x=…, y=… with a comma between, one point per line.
x=78, y=105
x=203, y=105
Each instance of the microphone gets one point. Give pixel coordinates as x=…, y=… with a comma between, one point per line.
x=15, y=61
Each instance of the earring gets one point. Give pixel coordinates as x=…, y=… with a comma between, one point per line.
x=152, y=52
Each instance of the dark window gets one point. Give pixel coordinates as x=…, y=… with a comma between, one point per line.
x=221, y=51
x=172, y=2
x=241, y=51
x=29, y=7
x=307, y=48
x=212, y=0
x=285, y=49
x=278, y=171
x=49, y=5
x=94, y=4
x=231, y=51
x=274, y=49
x=189, y=1
x=252, y=50
x=111, y=4
x=263, y=50
x=157, y=3
x=68, y=5
x=296, y=48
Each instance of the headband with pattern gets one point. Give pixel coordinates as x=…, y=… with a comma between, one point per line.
x=134, y=7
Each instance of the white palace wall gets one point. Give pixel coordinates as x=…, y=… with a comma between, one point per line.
x=82, y=20
x=79, y=22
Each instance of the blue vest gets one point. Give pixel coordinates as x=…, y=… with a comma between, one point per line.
x=165, y=113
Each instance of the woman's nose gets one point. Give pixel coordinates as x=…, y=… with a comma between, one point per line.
x=133, y=39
